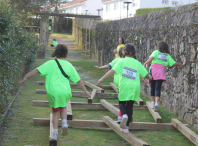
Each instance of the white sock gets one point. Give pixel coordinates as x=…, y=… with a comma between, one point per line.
x=55, y=131
x=64, y=121
x=156, y=104
x=152, y=102
x=125, y=115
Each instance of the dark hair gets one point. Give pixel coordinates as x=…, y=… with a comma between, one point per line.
x=129, y=49
x=163, y=47
x=120, y=52
x=54, y=39
x=122, y=40
x=60, y=51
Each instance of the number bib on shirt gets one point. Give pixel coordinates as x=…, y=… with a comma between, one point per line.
x=162, y=56
x=129, y=73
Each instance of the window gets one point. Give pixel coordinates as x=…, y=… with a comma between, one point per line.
x=165, y=2
x=108, y=8
x=71, y=10
x=134, y=5
x=115, y=6
x=174, y=3
x=77, y=10
x=124, y=6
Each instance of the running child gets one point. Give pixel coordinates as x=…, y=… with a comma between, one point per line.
x=58, y=72
x=160, y=59
x=129, y=70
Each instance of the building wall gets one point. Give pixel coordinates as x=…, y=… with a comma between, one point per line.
x=92, y=6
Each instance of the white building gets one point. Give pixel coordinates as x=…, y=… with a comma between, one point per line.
x=90, y=7
x=116, y=9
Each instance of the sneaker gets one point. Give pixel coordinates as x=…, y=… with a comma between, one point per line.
x=53, y=136
x=123, y=122
x=152, y=104
x=119, y=119
x=156, y=107
x=64, y=129
x=126, y=130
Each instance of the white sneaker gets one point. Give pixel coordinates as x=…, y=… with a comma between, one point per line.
x=54, y=136
x=119, y=119
x=126, y=130
x=156, y=107
x=64, y=129
x=123, y=122
x=152, y=104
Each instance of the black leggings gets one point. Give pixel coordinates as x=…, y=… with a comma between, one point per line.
x=126, y=107
x=156, y=87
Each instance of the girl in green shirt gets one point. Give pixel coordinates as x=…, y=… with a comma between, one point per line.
x=129, y=70
x=57, y=85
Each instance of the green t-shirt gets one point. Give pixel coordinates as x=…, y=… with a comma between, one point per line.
x=50, y=28
x=55, y=43
x=162, y=58
x=118, y=48
x=116, y=76
x=129, y=70
x=57, y=85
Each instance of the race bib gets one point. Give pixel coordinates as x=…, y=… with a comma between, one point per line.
x=129, y=73
x=162, y=56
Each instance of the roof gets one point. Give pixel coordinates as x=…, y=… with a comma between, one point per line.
x=75, y=2
x=106, y=0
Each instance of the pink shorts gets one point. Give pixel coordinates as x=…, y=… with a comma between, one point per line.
x=57, y=109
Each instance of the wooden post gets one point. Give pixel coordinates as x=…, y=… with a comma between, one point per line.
x=110, y=107
x=140, y=101
x=52, y=142
x=93, y=93
x=100, y=90
x=155, y=115
x=128, y=137
x=69, y=111
x=185, y=130
x=114, y=87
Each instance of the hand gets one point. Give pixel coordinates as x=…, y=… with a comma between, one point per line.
x=143, y=82
x=144, y=65
x=115, y=51
x=150, y=77
x=184, y=62
x=99, y=82
x=22, y=81
x=88, y=94
x=97, y=67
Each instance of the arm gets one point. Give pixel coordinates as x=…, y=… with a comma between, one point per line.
x=81, y=84
x=179, y=64
x=109, y=73
x=142, y=81
x=148, y=61
x=148, y=76
x=103, y=67
x=115, y=51
x=28, y=75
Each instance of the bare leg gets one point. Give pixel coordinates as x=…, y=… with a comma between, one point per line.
x=153, y=98
x=55, y=120
x=63, y=113
x=157, y=99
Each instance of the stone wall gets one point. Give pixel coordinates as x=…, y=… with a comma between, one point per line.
x=177, y=26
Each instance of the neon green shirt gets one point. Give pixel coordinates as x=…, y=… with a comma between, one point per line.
x=57, y=85
x=55, y=43
x=50, y=28
x=129, y=70
x=118, y=48
x=116, y=76
x=162, y=58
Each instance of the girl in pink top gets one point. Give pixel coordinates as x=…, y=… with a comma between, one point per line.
x=160, y=59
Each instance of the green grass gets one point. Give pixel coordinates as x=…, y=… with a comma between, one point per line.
x=19, y=129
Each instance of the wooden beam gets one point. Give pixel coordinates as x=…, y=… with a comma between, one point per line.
x=85, y=105
x=69, y=111
x=155, y=115
x=81, y=93
x=128, y=137
x=100, y=90
x=106, y=87
x=185, y=130
x=101, y=124
x=51, y=142
x=140, y=101
x=110, y=107
x=114, y=87
x=93, y=94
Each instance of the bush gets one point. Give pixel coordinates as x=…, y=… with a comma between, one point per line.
x=144, y=11
x=17, y=50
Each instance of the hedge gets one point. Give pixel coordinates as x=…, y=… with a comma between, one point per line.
x=144, y=11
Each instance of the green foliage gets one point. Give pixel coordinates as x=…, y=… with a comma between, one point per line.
x=17, y=50
x=144, y=11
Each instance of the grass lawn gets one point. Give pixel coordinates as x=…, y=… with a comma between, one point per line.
x=19, y=130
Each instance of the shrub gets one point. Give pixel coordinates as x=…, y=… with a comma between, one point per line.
x=144, y=11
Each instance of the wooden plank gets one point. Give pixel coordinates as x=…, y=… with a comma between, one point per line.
x=81, y=93
x=86, y=105
x=106, y=87
x=93, y=94
x=101, y=124
x=185, y=130
x=114, y=87
x=69, y=111
x=140, y=101
x=100, y=90
x=51, y=142
x=128, y=137
x=155, y=115
x=110, y=107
